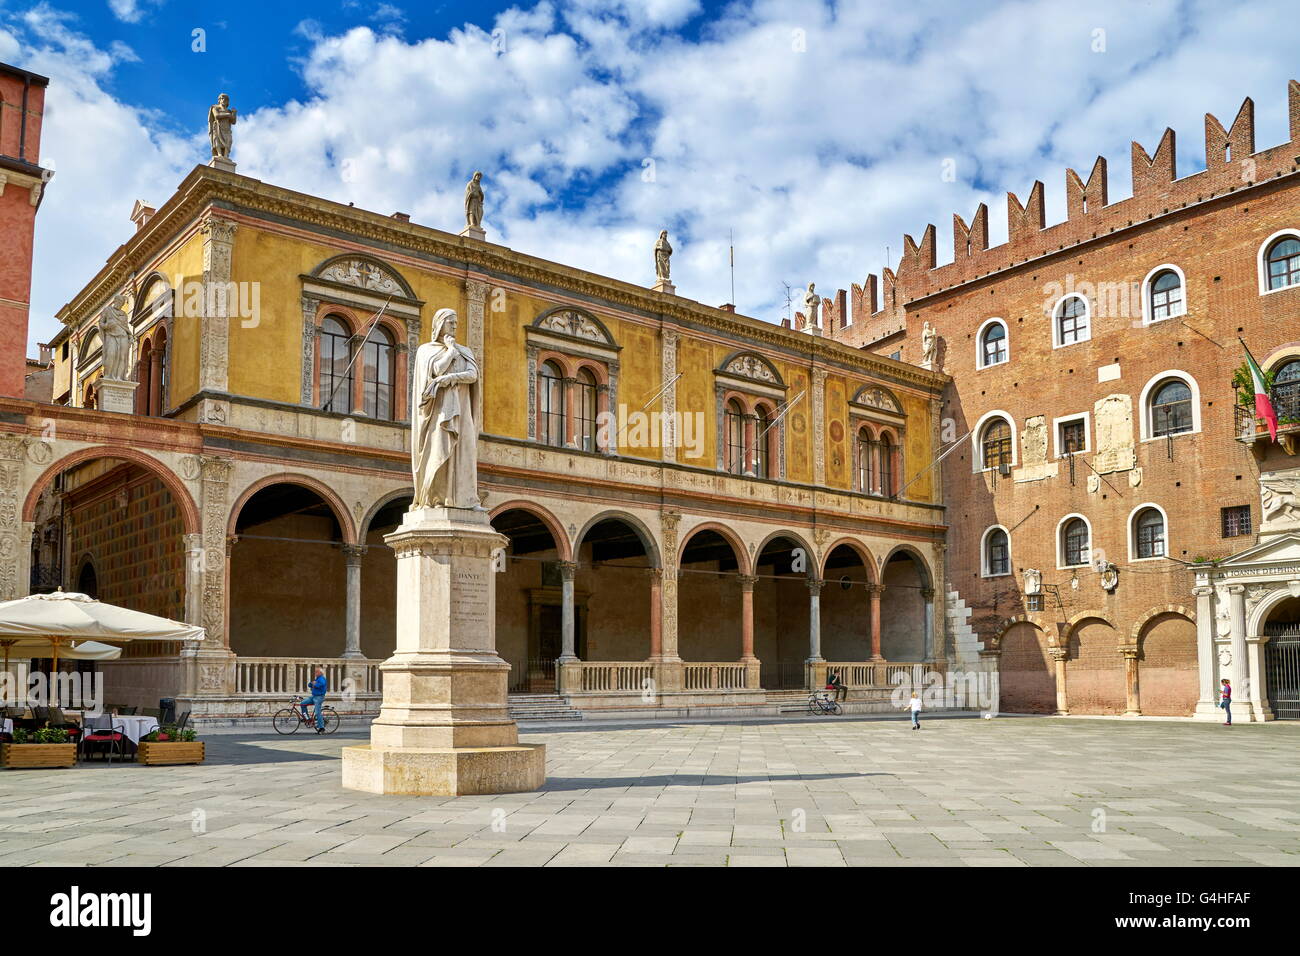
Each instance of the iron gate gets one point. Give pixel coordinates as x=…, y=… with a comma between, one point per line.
x=1282, y=668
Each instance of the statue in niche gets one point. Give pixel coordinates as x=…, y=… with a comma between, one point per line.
x=444, y=434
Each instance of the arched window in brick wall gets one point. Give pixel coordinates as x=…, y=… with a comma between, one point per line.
x=1075, y=542
x=993, y=346
x=996, y=552
x=1282, y=263
x=1071, y=321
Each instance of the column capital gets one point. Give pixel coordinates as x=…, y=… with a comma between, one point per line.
x=927, y=593
x=568, y=569
x=476, y=289
x=1235, y=588
x=1203, y=590
x=1129, y=652
x=353, y=553
x=1058, y=653
x=876, y=591
x=815, y=585
x=747, y=581
x=656, y=575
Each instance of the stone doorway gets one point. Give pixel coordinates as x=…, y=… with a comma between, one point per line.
x=1282, y=660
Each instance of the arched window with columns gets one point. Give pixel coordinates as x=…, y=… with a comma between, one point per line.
x=573, y=365
x=879, y=422
x=336, y=371
x=378, y=372
x=751, y=433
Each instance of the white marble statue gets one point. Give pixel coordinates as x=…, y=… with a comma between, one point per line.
x=663, y=253
x=444, y=434
x=220, y=118
x=929, y=345
x=812, y=304
x=474, y=202
x=115, y=332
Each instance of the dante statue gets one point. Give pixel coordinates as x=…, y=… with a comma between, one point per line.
x=220, y=118
x=929, y=344
x=474, y=202
x=444, y=435
x=115, y=333
x=663, y=253
x=812, y=303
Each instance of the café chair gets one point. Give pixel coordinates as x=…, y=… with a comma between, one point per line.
x=101, y=732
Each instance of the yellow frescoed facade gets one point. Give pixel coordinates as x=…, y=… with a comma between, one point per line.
x=723, y=506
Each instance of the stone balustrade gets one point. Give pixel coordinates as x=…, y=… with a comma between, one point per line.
x=280, y=676
x=729, y=675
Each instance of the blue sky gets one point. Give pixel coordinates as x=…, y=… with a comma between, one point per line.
x=819, y=132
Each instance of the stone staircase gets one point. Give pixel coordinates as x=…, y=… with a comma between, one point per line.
x=541, y=707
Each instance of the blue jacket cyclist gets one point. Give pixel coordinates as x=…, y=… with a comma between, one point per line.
x=318, y=687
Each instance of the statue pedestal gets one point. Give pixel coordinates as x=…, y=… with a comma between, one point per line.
x=220, y=162
x=444, y=728
x=474, y=232
x=116, y=396
x=664, y=286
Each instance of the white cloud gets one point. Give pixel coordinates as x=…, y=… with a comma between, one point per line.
x=131, y=11
x=816, y=131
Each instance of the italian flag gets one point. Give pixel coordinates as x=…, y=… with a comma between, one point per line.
x=1263, y=405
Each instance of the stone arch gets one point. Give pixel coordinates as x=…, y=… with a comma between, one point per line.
x=327, y=494
x=1009, y=622
x=927, y=574
x=552, y=523
x=403, y=287
x=155, y=466
x=813, y=560
x=1077, y=620
x=727, y=534
x=582, y=323
x=877, y=396
x=1135, y=633
x=363, y=527
x=1097, y=682
x=638, y=527
x=766, y=371
x=862, y=551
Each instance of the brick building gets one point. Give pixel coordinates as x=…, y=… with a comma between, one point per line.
x=22, y=181
x=1123, y=531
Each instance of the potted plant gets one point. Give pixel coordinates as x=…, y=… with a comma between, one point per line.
x=167, y=745
x=47, y=747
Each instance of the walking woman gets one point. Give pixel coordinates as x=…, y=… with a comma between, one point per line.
x=1225, y=701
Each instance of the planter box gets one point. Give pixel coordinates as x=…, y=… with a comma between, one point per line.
x=158, y=753
x=38, y=755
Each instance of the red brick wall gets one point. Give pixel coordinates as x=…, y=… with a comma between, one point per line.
x=1027, y=682
x=1211, y=225
x=1167, y=667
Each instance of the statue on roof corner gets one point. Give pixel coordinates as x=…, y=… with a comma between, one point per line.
x=812, y=303
x=663, y=255
x=220, y=118
x=474, y=202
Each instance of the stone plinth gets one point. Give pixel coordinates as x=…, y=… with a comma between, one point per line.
x=474, y=232
x=220, y=162
x=444, y=727
x=116, y=396
x=664, y=286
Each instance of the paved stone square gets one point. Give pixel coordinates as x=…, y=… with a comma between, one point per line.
x=759, y=792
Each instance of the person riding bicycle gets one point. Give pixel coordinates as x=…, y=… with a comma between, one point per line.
x=834, y=683
x=317, y=687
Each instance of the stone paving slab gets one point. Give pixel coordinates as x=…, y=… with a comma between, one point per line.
x=760, y=792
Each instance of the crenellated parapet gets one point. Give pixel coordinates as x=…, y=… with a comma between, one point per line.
x=1231, y=165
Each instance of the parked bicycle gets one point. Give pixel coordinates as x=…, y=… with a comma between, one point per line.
x=819, y=703
x=288, y=720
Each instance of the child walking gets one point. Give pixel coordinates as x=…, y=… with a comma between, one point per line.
x=915, y=706
x=1225, y=701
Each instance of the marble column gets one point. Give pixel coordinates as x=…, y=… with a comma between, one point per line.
x=1240, y=660
x=747, y=582
x=352, y=555
x=568, y=645
x=154, y=398
x=928, y=595
x=876, y=591
x=656, y=613
x=1062, y=698
x=815, y=619
x=1132, y=693
x=1206, y=657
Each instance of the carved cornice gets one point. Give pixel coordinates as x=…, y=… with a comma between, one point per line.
x=207, y=187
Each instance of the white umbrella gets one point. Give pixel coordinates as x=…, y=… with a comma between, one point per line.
x=72, y=651
x=63, y=617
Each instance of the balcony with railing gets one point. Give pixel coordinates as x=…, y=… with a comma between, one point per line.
x=1286, y=402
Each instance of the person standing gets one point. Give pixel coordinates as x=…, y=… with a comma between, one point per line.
x=1225, y=701
x=914, y=705
x=318, y=687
